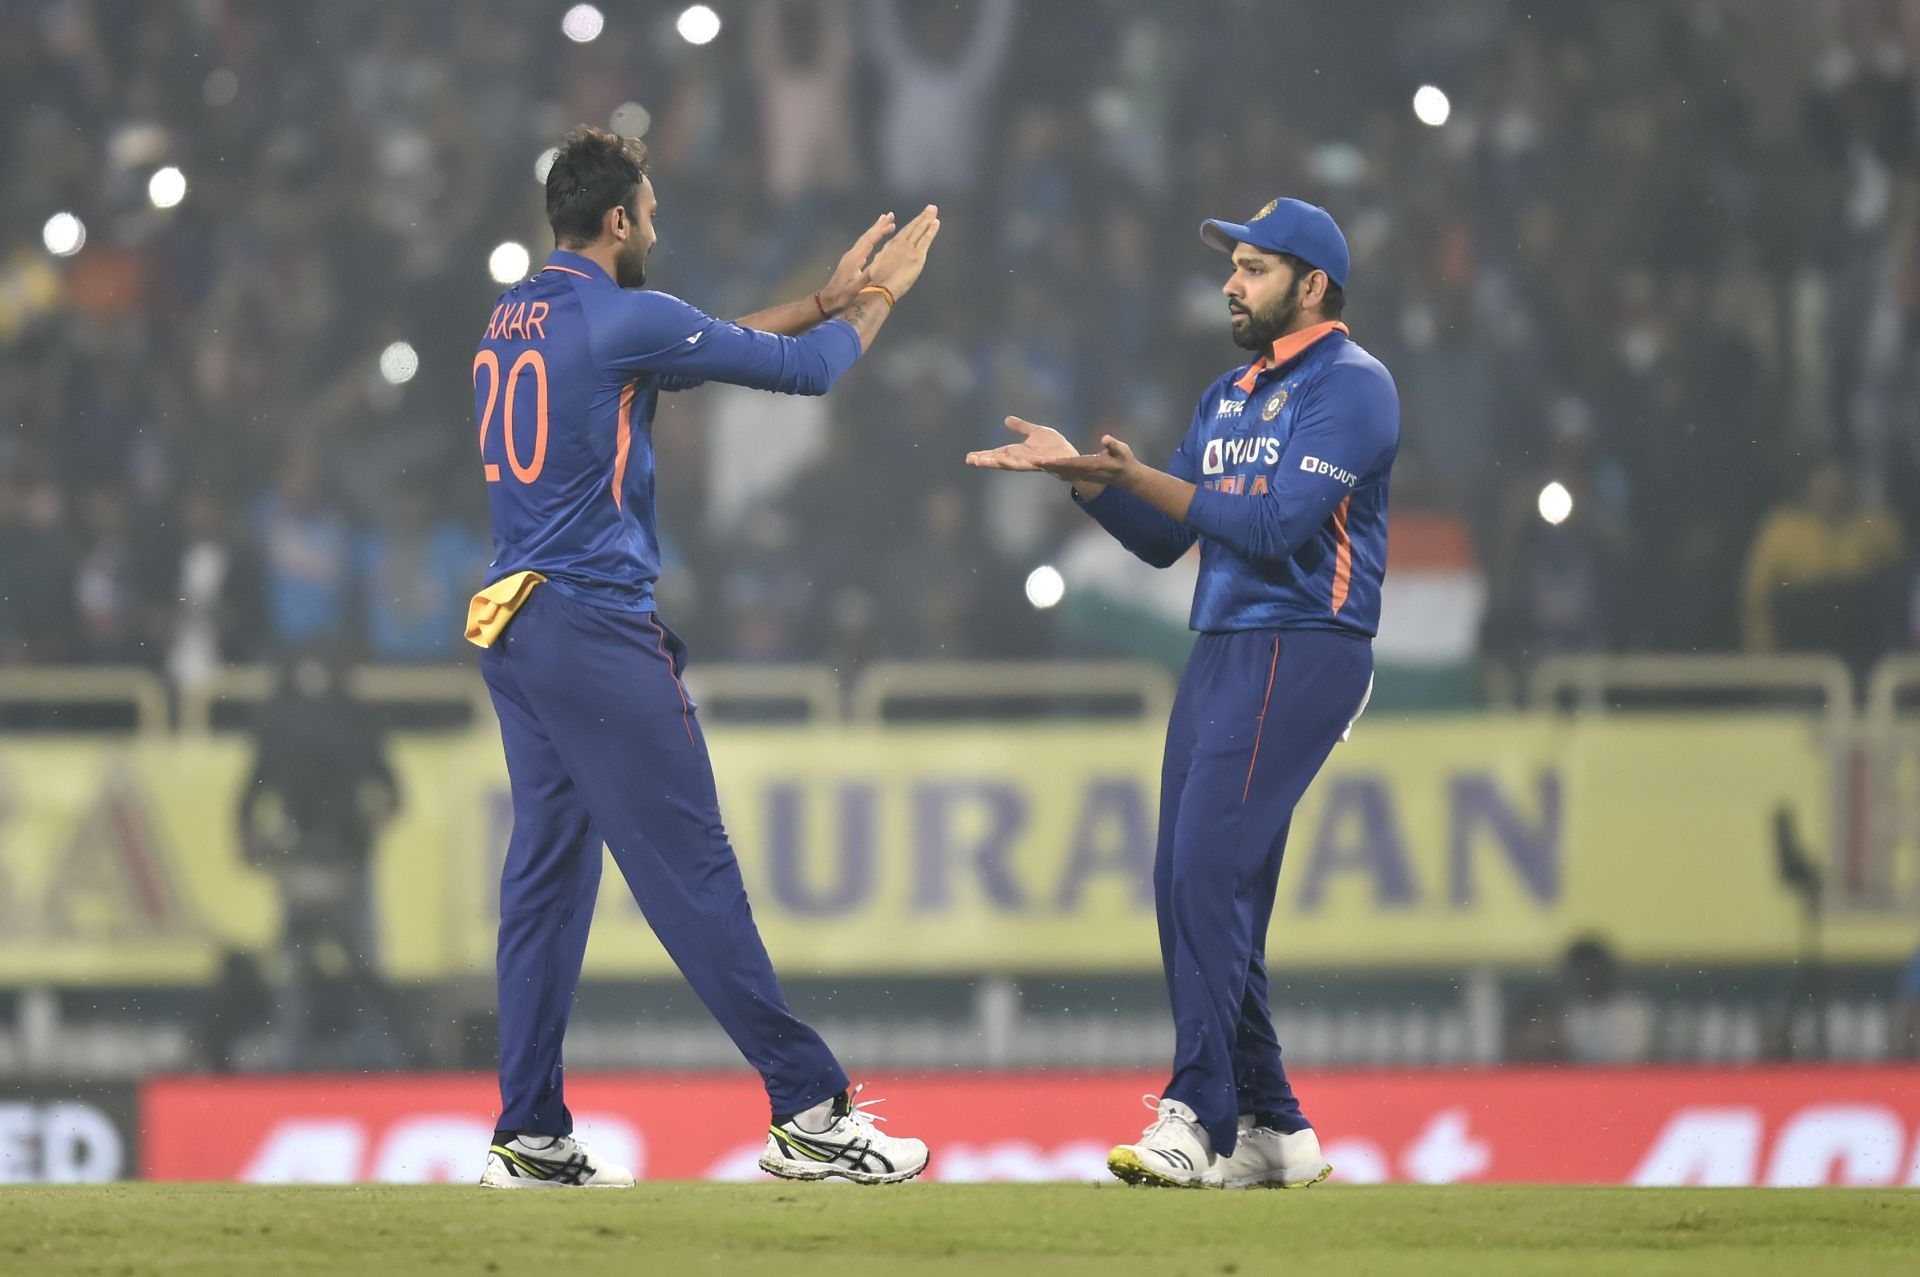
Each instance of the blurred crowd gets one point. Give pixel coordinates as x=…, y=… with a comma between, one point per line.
x=1660, y=253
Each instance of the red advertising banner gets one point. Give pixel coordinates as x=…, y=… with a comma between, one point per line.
x=1778, y=1126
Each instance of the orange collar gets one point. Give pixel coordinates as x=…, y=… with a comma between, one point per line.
x=1287, y=349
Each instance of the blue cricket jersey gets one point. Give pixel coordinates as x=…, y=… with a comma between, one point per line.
x=564, y=385
x=1291, y=455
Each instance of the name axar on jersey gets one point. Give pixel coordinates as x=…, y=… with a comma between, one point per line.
x=565, y=383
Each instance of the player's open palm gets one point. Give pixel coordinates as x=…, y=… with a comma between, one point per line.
x=1036, y=445
x=897, y=266
x=851, y=274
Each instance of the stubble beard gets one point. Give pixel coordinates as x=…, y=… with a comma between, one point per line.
x=630, y=268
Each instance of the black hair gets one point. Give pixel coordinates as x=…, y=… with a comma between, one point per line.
x=1335, y=302
x=593, y=171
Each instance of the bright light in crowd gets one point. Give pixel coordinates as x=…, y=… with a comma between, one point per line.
x=543, y=164
x=1045, y=586
x=698, y=24
x=583, y=24
x=508, y=263
x=398, y=363
x=64, y=234
x=1430, y=106
x=1556, y=503
x=167, y=187
x=630, y=119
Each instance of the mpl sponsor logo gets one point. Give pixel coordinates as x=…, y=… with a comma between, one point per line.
x=1787, y=1126
x=1314, y=465
x=1230, y=408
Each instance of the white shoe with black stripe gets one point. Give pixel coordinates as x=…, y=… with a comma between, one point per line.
x=1174, y=1152
x=838, y=1139
x=548, y=1161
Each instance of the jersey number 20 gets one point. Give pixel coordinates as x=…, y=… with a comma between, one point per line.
x=529, y=361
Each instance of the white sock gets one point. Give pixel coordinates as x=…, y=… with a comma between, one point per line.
x=817, y=1120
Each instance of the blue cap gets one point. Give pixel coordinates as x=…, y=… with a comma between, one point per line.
x=1287, y=226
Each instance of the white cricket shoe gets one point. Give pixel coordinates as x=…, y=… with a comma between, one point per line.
x=838, y=1138
x=1174, y=1152
x=1265, y=1158
x=549, y=1161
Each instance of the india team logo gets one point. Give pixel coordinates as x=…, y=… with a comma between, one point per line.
x=1275, y=402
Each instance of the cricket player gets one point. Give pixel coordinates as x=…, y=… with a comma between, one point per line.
x=1282, y=479
x=603, y=743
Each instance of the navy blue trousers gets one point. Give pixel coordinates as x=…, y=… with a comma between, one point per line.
x=604, y=746
x=1257, y=714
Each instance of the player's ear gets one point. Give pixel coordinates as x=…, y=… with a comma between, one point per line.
x=617, y=222
x=1313, y=288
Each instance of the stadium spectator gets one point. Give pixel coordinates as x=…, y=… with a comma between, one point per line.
x=110, y=601
x=932, y=586
x=417, y=573
x=1860, y=117
x=240, y=1009
x=1824, y=573
x=939, y=84
x=1602, y=1023
x=309, y=552
x=803, y=56
x=36, y=569
x=309, y=815
x=1623, y=209
x=214, y=611
x=1559, y=572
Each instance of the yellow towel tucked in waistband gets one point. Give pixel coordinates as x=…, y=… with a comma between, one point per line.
x=494, y=606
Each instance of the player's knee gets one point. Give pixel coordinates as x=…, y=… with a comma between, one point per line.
x=1195, y=895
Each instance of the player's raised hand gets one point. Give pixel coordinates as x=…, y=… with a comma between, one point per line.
x=1037, y=444
x=852, y=274
x=898, y=265
x=1105, y=467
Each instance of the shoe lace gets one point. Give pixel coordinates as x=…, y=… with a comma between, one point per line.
x=857, y=1108
x=1166, y=1115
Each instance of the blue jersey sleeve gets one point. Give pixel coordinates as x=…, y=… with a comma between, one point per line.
x=659, y=334
x=1347, y=432
x=1150, y=535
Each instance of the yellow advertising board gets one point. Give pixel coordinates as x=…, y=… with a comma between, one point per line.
x=1483, y=839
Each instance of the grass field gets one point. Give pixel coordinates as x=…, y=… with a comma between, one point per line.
x=944, y=1230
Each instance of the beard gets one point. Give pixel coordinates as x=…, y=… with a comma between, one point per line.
x=630, y=268
x=1264, y=327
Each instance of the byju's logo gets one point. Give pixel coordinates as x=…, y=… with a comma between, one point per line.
x=1313, y=465
x=1222, y=453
